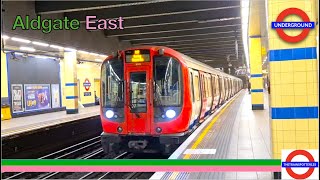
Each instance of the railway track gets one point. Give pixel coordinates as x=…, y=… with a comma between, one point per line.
x=89, y=149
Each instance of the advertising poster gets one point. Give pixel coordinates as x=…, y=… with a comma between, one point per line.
x=37, y=96
x=55, y=92
x=17, y=98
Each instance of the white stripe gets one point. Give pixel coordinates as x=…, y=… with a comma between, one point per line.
x=200, y=151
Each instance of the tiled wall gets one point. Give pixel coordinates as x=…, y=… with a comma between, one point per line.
x=293, y=82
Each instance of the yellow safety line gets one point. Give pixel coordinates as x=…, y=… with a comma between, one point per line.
x=203, y=134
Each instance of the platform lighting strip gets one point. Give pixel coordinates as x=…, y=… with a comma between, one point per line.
x=136, y=165
x=245, y=23
x=43, y=44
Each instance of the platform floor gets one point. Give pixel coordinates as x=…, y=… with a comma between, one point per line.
x=30, y=123
x=236, y=132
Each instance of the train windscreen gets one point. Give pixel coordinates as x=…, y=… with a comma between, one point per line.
x=167, y=81
x=112, y=83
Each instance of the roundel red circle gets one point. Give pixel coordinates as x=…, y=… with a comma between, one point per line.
x=304, y=17
x=291, y=156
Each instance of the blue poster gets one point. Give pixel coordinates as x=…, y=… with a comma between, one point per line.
x=37, y=96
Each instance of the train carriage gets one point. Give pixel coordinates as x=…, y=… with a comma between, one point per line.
x=153, y=97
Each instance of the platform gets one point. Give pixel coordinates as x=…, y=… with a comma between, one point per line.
x=30, y=123
x=234, y=132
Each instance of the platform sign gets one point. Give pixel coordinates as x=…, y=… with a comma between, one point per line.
x=17, y=98
x=37, y=96
x=55, y=95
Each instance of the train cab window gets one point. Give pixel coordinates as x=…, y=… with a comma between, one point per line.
x=138, y=94
x=196, y=88
x=112, y=83
x=167, y=81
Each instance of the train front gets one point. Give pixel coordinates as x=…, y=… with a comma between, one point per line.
x=142, y=100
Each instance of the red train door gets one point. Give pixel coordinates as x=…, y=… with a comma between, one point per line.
x=138, y=105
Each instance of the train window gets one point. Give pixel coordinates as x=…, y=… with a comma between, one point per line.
x=167, y=81
x=210, y=86
x=192, y=86
x=196, y=88
x=112, y=83
x=138, y=92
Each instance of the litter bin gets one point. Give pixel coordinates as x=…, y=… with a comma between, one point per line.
x=5, y=112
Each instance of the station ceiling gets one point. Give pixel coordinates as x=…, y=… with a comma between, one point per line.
x=204, y=30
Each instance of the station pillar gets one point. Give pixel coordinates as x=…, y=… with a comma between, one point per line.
x=70, y=79
x=256, y=79
x=5, y=104
x=294, y=81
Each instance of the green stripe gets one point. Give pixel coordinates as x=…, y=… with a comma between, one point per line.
x=141, y=162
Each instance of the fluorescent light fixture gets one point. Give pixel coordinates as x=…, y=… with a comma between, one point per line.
x=27, y=49
x=40, y=43
x=56, y=47
x=70, y=49
x=18, y=53
x=95, y=54
x=98, y=59
x=207, y=60
x=83, y=52
x=104, y=56
x=245, y=23
x=20, y=40
x=42, y=57
x=4, y=37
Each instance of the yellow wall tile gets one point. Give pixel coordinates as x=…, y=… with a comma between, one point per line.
x=289, y=146
x=302, y=136
x=287, y=89
x=287, y=101
x=302, y=125
x=313, y=145
x=289, y=136
x=313, y=124
x=280, y=136
x=300, y=77
x=300, y=101
x=289, y=124
x=300, y=89
x=302, y=145
x=313, y=136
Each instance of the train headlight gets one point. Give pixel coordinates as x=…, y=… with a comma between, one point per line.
x=109, y=114
x=170, y=113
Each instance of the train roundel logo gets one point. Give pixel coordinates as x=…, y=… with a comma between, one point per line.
x=87, y=84
x=306, y=25
x=289, y=164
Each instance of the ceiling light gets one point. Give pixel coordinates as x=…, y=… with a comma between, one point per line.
x=98, y=59
x=40, y=44
x=83, y=52
x=69, y=49
x=20, y=40
x=104, y=56
x=95, y=54
x=4, y=37
x=56, y=47
x=27, y=49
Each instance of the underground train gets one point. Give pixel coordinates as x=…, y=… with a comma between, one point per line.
x=153, y=97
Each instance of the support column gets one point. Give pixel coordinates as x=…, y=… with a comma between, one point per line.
x=256, y=79
x=71, y=86
x=5, y=104
x=293, y=82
